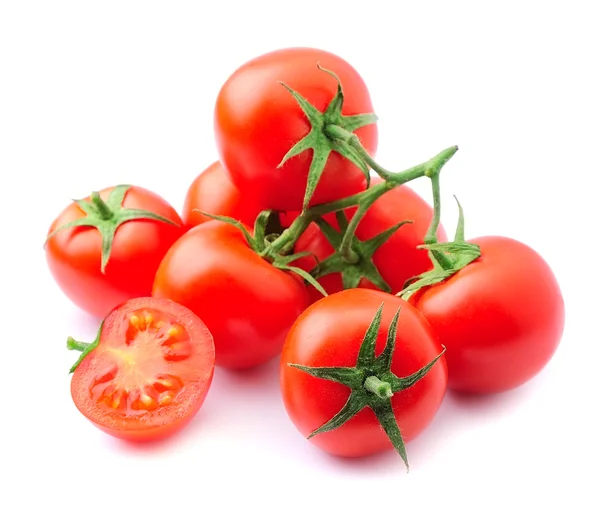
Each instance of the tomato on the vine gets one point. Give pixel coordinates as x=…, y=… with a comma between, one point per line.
x=257, y=121
x=399, y=380
x=397, y=259
x=247, y=303
x=147, y=373
x=213, y=192
x=105, y=249
x=501, y=317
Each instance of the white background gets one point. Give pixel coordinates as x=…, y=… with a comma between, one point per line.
x=99, y=93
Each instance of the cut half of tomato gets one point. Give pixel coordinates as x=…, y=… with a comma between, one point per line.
x=148, y=372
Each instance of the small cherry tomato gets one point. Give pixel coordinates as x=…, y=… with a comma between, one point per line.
x=247, y=303
x=341, y=361
x=213, y=192
x=501, y=317
x=257, y=121
x=105, y=249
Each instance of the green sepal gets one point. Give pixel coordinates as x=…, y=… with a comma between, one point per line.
x=363, y=268
x=85, y=348
x=323, y=144
x=366, y=379
x=107, y=216
x=456, y=254
x=252, y=242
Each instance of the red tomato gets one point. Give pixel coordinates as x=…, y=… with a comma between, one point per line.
x=74, y=254
x=501, y=317
x=248, y=304
x=257, y=121
x=398, y=259
x=150, y=372
x=213, y=192
x=329, y=334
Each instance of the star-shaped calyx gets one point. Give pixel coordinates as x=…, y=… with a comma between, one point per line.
x=320, y=142
x=107, y=216
x=372, y=383
x=447, y=258
x=360, y=264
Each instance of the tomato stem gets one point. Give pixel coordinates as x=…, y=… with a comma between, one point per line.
x=431, y=235
x=75, y=345
x=382, y=389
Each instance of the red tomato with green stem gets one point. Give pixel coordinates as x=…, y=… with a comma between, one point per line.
x=247, y=303
x=397, y=259
x=212, y=191
x=106, y=248
x=147, y=373
x=501, y=317
x=357, y=385
x=257, y=122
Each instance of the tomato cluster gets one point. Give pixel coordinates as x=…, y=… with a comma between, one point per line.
x=297, y=244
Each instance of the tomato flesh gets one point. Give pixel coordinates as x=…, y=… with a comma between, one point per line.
x=150, y=372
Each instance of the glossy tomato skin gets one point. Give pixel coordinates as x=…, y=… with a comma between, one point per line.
x=247, y=304
x=398, y=259
x=74, y=254
x=257, y=121
x=501, y=317
x=329, y=333
x=212, y=191
x=128, y=359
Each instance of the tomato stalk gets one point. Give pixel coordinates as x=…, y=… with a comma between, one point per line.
x=363, y=200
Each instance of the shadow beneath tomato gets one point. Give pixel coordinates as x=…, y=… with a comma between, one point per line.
x=493, y=403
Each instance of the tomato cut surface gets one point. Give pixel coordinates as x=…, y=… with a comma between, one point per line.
x=150, y=372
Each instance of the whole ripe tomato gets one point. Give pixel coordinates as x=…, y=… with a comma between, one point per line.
x=248, y=304
x=398, y=259
x=74, y=254
x=148, y=372
x=330, y=334
x=212, y=191
x=501, y=317
x=257, y=121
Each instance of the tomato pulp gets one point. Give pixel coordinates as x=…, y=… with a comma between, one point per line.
x=150, y=372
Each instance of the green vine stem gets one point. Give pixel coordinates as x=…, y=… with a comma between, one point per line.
x=431, y=168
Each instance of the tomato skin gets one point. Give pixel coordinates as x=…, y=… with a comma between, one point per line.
x=212, y=191
x=501, y=317
x=74, y=254
x=257, y=121
x=329, y=333
x=247, y=304
x=196, y=373
x=398, y=259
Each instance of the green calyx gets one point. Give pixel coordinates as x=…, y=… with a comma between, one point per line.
x=447, y=258
x=261, y=244
x=84, y=347
x=353, y=261
x=321, y=142
x=372, y=383
x=107, y=216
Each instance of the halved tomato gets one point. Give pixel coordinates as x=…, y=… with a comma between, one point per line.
x=147, y=373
